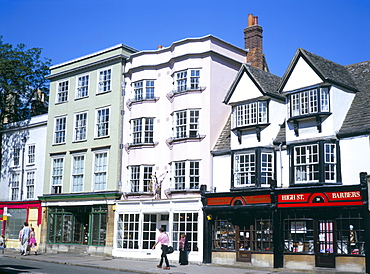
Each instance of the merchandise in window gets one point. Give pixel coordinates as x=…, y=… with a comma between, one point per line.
x=223, y=236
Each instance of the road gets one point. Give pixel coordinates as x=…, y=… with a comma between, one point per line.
x=13, y=265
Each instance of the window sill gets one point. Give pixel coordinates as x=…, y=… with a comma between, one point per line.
x=101, y=137
x=130, y=146
x=185, y=190
x=171, y=141
x=309, y=116
x=249, y=127
x=80, y=98
x=170, y=96
x=131, y=102
x=103, y=92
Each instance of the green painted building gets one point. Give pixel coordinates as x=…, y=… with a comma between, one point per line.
x=83, y=152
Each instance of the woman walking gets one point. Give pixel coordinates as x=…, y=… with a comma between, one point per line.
x=163, y=239
x=183, y=248
x=32, y=242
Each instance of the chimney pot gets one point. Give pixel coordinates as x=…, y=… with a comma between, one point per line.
x=250, y=20
x=160, y=46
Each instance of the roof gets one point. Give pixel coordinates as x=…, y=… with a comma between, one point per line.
x=357, y=120
x=265, y=81
x=223, y=142
x=327, y=70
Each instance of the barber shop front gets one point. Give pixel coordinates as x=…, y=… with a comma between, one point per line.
x=295, y=228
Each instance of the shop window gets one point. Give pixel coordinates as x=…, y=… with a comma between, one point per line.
x=350, y=233
x=15, y=222
x=149, y=230
x=298, y=234
x=98, y=226
x=223, y=236
x=262, y=235
x=128, y=231
x=186, y=223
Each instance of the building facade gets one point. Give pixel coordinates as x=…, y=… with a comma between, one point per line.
x=22, y=176
x=173, y=116
x=83, y=153
x=296, y=191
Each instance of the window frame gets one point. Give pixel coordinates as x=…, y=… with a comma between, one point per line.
x=15, y=186
x=142, y=131
x=184, y=176
x=140, y=178
x=82, y=86
x=186, y=124
x=260, y=173
x=309, y=102
x=78, y=172
x=326, y=166
x=80, y=126
x=251, y=114
x=100, y=170
x=187, y=80
x=104, y=81
x=31, y=154
x=57, y=175
x=30, y=184
x=187, y=223
x=60, y=130
x=16, y=156
x=128, y=225
x=102, y=125
x=62, y=91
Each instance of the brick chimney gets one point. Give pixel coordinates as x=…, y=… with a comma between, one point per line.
x=253, y=43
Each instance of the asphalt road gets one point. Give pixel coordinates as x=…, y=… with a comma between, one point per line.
x=13, y=265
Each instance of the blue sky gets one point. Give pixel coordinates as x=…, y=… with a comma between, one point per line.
x=338, y=30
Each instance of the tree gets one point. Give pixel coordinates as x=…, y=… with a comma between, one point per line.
x=22, y=80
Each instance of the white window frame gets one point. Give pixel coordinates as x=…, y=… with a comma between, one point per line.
x=60, y=130
x=82, y=89
x=186, y=124
x=15, y=188
x=185, y=174
x=245, y=169
x=128, y=231
x=57, y=169
x=104, y=80
x=248, y=114
x=140, y=178
x=31, y=154
x=30, y=184
x=78, y=173
x=311, y=101
x=181, y=223
x=330, y=162
x=16, y=156
x=102, y=122
x=100, y=170
x=306, y=163
x=62, y=91
x=142, y=131
x=80, y=126
x=187, y=80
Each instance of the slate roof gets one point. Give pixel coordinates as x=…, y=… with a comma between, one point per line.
x=281, y=137
x=265, y=81
x=327, y=70
x=223, y=142
x=357, y=120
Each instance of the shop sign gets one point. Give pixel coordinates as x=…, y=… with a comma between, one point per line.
x=245, y=200
x=339, y=198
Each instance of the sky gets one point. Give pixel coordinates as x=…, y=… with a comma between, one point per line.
x=338, y=30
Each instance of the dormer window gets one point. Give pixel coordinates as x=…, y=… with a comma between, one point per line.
x=309, y=102
x=250, y=114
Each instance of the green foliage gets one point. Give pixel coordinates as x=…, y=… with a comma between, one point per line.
x=22, y=74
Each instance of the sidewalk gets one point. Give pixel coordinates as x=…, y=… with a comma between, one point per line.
x=149, y=266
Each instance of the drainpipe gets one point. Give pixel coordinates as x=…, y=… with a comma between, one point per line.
x=281, y=166
x=22, y=171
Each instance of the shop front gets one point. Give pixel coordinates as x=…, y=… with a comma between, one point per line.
x=14, y=214
x=295, y=228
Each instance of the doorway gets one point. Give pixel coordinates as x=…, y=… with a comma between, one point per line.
x=243, y=243
x=325, y=243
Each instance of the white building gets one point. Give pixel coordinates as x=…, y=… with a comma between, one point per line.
x=173, y=117
x=22, y=176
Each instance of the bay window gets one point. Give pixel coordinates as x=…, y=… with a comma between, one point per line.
x=142, y=131
x=186, y=174
x=140, y=178
x=186, y=80
x=254, y=113
x=186, y=124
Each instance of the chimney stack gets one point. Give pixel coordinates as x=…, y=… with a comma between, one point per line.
x=253, y=43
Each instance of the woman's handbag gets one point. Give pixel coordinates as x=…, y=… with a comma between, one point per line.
x=170, y=249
